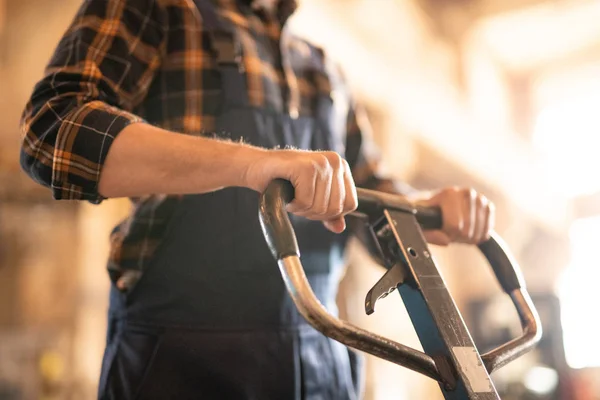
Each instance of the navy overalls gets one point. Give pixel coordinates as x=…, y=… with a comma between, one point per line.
x=211, y=318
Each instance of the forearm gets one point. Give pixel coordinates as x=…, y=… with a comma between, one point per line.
x=145, y=159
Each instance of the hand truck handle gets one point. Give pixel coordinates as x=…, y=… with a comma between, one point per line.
x=496, y=252
x=281, y=239
x=282, y=242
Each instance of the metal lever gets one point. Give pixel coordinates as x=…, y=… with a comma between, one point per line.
x=393, y=278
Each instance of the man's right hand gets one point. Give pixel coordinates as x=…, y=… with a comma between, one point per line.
x=323, y=183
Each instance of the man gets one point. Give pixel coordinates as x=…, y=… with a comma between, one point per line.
x=183, y=106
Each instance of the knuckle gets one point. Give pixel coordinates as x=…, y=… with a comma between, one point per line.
x=345, y=164
x=452, y=192
x=481, y=201
x=310, y=166
x=321, y=161
x=470, y=193
x=335, y=159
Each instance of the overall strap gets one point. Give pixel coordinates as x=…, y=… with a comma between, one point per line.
x=226, y=48
x=223, y=39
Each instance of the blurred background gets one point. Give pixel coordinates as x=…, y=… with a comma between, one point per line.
x=500, y=95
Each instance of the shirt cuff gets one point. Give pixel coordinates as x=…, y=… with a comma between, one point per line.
x=82, y=144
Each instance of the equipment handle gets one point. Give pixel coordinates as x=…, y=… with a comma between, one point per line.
x=281, y=239
x=496, y=252
x=274, y=219
x=506, y=270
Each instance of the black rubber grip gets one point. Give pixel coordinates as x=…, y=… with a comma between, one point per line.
x=429, y=217
x=507, y=271
x=274, y=220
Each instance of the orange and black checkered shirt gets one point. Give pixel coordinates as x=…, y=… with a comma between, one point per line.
x=123, y=61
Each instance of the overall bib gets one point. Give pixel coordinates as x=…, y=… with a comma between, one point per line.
x=211, y=318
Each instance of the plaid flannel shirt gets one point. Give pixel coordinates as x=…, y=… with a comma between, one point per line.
x=121, y=62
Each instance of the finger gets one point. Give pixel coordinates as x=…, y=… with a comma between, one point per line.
x=469, y=215
x=336, y=225
x=480, y=218
x=452, y=215
x=486, y=220
x=338, y=189
x=489, y=220
x=351, y=199
x=304, y=195
x=437, y=237
x=322, y=190
x=320, y=171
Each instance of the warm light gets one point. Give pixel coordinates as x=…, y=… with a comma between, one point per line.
x=542, y=34
x=568, y=134
x=541, y=380
x=580, y=296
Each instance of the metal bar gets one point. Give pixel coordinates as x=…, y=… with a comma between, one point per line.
x=450, y=355
x=437, y=320
x=315, y=313
x=373, y=203
x=532, y=334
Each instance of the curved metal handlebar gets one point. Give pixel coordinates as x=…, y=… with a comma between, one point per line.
x=510, y=278
x=281, y=239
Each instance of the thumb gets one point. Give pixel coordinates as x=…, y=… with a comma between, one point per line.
x=337, y=225
x=437, y=237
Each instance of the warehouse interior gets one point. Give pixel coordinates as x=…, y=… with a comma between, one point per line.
x=498, y=95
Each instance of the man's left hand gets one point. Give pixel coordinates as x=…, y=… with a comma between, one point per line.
x=468, y=216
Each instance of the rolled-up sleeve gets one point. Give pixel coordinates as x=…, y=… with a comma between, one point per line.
x=99, y=72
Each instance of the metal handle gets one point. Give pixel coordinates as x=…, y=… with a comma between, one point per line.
x=511, y=279
x=281, y=238
x=506, y=269
x=274, y=220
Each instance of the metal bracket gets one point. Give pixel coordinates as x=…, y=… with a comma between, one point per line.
x=435, y=317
